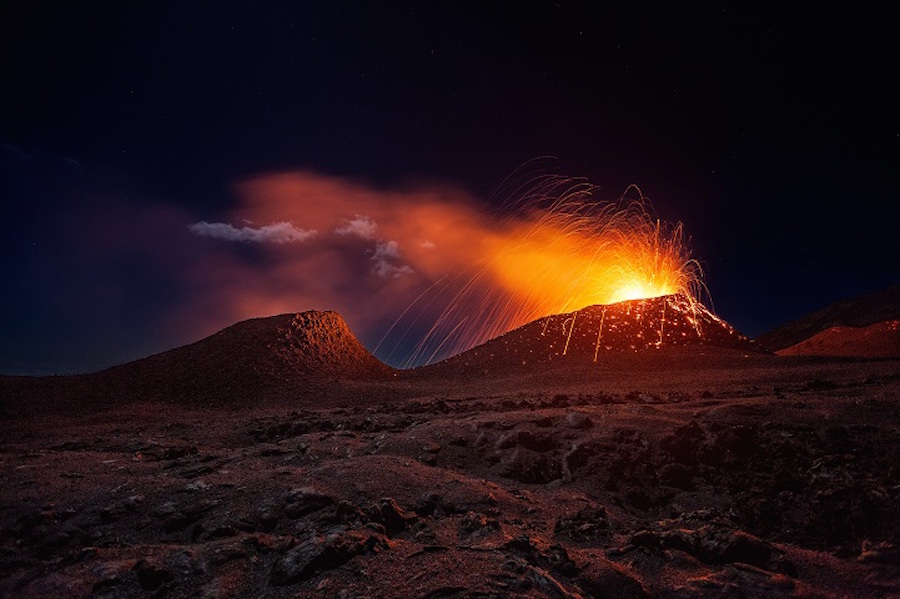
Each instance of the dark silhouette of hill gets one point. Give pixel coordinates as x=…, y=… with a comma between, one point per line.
x=276, y=357
x=861, y=311
x=592, y=334
x=879, y=340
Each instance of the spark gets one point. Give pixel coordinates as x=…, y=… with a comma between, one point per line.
x=555, y=247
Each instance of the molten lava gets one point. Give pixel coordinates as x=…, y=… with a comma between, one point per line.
x=560, y=250
x=567, y=262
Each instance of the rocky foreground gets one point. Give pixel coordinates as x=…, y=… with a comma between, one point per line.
x=779, y=479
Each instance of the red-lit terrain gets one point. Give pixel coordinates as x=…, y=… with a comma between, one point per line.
x=278, y=458
x=600, y=334
x=859, y=326
x=875, y=340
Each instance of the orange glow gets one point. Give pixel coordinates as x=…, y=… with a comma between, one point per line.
x=456, y=274
x=562, y=250
x=634, y=289
x=558, y=269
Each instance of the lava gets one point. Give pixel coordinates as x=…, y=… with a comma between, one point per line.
x=560, y=249
x=431, y=272
x=576, y=254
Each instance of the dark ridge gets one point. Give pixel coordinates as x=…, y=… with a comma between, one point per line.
x=879, y=340
x=860, y=311
x=276, y=357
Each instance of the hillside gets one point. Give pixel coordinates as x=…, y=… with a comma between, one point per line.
x=275, y=357
x=598, y=333
x=879, y=340
x=860, y=311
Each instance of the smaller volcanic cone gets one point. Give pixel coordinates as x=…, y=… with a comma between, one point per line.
x=277, y=358
x=272, y=356
x=587, y=335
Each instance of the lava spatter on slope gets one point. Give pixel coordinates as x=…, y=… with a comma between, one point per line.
x=589, y=334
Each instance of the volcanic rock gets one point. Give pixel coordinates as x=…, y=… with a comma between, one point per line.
x=600, y=579
x=735, y=494
x=152, y=575
x=588, y=524
x=578, y=421
x=678, y=476
x=527, y=466
x=651, y=473
x=302, y=501
x=318, y=553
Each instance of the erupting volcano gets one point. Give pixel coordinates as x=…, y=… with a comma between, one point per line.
x=587, y=336
x=559, y=249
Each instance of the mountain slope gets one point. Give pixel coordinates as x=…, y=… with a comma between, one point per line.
x=288, y=348
x=861, y=311
x=275, y=357
x=590, y=334
x=879, y=340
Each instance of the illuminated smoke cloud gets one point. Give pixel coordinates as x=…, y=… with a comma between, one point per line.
x=424, y=270
x=283, y=232
x=360, y=226
x=385, y=253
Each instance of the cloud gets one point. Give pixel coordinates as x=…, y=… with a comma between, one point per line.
x=386, y=270
x=144, y=296
x=386, y=253
x=368, y=261
x=280, y=232
x=379, y=267
x=374, y=261
x=360, y=226
x=386, y=249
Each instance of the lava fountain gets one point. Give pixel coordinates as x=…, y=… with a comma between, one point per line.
x=557, y=248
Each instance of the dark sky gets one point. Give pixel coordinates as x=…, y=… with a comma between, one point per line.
x=772, y=133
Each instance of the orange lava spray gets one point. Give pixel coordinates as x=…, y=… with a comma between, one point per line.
x=557, y=248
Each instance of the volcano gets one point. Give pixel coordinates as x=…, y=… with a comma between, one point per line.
x=285, y=347
x=593, y=333
x=275, y=351
x=256, y=360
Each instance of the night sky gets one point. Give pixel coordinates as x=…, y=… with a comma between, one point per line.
x=772, y=135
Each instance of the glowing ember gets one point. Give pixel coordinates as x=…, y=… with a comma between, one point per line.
x=560, y=250
x=637, y=290
x=584, y=254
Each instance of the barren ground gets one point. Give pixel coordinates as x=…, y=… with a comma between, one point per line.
x=717, y=475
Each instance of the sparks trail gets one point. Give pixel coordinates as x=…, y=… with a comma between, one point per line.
x=554, y=247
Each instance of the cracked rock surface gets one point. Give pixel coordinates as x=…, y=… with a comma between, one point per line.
x=749, y=477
